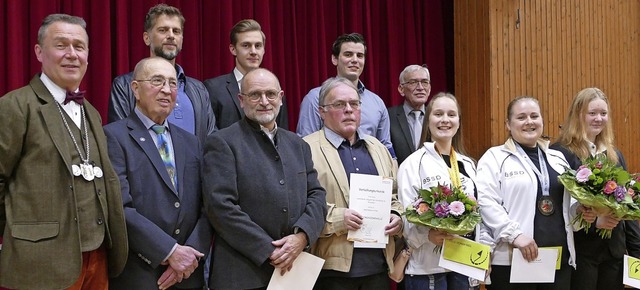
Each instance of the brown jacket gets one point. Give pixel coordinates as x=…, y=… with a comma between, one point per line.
x=41, y=247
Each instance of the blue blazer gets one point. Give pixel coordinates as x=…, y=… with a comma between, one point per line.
x=157, y=215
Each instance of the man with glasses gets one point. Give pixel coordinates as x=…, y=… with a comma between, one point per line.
x=406, y=119
x=158, y=164
x=348, y=55
x=339, y=149
x=163, y=33
x=261, y=192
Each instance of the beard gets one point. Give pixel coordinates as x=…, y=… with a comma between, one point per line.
x=166, y=55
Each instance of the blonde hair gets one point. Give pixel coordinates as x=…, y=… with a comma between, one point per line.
x=573, y=135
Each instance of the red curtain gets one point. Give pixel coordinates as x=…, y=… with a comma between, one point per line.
x=298, y=47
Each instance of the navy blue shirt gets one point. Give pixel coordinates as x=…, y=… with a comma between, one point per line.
x=356, y=159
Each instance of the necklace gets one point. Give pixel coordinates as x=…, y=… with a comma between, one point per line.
x=88, y=171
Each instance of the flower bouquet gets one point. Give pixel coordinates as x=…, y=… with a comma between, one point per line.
x=605, y=187
x=444, y=208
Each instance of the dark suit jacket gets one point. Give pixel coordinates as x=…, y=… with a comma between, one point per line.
x=41, y=248
x=625, y=236
x=400, y=133
x=223, y=92
x=157, y=216
x=256, y=193
x=122, y=102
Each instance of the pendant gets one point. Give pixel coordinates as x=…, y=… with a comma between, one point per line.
x=97, y=172
x=87, y=171
x=75, y=169
x=545, y=206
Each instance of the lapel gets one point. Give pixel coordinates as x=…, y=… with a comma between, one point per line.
x=404, y=126
x=141, y=136
x=52, y=120
x=232, y=88
x=332, y=159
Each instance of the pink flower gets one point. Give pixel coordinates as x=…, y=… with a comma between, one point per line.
x=422, y=208
x=631, y=192
x=456, y=208
x=610, y=187
x=599, y=165
x=583, y=174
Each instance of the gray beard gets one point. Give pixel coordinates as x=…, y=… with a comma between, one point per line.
x=166, y=55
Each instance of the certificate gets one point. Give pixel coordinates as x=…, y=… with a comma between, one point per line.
x=540, y=270
x=631, y=272
x=370, y=196
x=465, y=257
x=303, y=274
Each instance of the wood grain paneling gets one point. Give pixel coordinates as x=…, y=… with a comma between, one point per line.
x=549, y=50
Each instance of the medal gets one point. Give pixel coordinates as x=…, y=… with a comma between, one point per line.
x=85, y=169
x=545, y=206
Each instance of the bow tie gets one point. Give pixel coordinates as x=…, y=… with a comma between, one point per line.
x=76, y=97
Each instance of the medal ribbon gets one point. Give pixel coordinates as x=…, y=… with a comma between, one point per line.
x=454, y=172
x=544, y=175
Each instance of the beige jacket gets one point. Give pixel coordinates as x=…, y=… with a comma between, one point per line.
x=332, y=244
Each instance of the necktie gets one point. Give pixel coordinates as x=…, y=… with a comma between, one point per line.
x=76, y=97
x=417, y=127
x=166, y=153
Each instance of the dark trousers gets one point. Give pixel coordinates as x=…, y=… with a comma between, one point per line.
x=373, y=282
x=600, y=271
x=500, y=276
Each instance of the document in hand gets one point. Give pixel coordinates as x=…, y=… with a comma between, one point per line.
x=466, y=257
x=303, y=274
x=370, y=196
x=540, y=270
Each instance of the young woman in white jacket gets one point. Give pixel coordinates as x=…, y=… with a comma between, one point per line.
x=522, y=203
x=429, y=166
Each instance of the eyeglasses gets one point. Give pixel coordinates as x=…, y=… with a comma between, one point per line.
x=343, y=105
x=160, y=82
x=256, y=96
x=414, y=83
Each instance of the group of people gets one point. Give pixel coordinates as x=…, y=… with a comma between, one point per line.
x=188, y=172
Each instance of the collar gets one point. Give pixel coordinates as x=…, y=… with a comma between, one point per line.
x=147, y=122
x=361, y=87
x=237, y=74
x=408, y=109
x=336, y=139
x=593, y=148
x=510, y=145
x=56, y=91
x=180, y=72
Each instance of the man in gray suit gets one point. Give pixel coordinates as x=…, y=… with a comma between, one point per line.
x=407, y=119
x=247, y=47
x=261, y=191
x=158, y=164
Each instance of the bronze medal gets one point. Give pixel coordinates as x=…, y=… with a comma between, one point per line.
x=545, y=206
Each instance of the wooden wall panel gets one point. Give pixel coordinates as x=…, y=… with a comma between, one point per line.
x=549, y=50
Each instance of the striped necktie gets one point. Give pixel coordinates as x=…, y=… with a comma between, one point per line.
x=166, y=153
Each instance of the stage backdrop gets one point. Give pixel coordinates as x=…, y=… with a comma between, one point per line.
x=298, y=47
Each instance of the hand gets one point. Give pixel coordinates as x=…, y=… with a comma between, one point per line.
x=588, y=214
x=527, y=246
x=168, y=279
x=395, y=225
x=607, y=221
x=287, y=250
x=352, y=219
x=437, y=237
x=184, y=260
